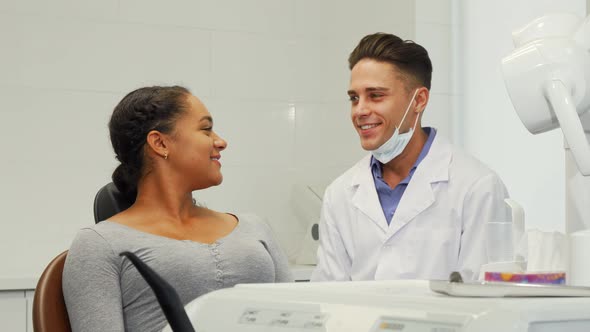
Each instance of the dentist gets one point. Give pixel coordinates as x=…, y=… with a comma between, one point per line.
x=415, y=207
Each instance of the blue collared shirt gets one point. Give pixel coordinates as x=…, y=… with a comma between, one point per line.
x=388, y=197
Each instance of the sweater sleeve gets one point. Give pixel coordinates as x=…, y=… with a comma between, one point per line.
x=91, y=286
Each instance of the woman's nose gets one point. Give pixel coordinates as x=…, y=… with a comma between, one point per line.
x=219, y=143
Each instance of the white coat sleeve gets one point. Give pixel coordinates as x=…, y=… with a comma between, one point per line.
x=484, y=202
x=334, y=263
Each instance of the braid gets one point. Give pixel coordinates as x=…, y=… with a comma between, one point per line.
x=139, y=112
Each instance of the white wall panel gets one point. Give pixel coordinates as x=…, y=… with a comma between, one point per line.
x=258, y=133
x=332, y=18
x=76, y=54
x=87, y=9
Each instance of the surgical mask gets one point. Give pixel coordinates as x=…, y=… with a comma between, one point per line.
x=398, y=142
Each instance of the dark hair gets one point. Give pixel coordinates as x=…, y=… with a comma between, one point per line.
x=139, y=112
x=409, y=57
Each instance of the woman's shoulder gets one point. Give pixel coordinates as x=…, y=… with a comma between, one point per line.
x=91, y=245
x=98, y=239
x=96, y=232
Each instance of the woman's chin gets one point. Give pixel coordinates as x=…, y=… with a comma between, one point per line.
x=219, y=181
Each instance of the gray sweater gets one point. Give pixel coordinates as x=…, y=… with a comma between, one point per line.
x=104, y=292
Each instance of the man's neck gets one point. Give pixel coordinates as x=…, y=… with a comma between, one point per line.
x=398, y=168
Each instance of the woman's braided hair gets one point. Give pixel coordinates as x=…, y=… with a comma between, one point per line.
x=139, y=112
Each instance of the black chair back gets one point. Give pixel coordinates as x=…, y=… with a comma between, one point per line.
x=108, y=202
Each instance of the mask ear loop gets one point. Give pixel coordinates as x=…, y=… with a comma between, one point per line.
x=407, y=109
x=416, y=122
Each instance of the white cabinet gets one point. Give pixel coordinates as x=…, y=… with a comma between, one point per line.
x=16, y=304
x=13, y=311
x=29, y=295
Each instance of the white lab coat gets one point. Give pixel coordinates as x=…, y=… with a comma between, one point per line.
x=438, y=227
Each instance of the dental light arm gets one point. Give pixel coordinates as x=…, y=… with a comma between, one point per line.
x=563, y=105
x=548, y=79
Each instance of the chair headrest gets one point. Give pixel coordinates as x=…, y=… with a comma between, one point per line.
x=108, y=202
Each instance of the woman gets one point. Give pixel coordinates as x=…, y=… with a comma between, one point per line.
x=164, y=139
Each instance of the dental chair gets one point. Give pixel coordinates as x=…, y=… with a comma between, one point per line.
x=108, y=202
x=49, y=307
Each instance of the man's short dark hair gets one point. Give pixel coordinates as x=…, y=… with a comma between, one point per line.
x=410, y=58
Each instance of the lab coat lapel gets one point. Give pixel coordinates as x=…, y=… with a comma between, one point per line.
x=419, y=194
x=365, y=196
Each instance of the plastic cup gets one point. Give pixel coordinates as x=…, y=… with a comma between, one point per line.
x=499, y=242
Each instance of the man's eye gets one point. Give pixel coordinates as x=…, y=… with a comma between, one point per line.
x=353, y=98
x=376, y=95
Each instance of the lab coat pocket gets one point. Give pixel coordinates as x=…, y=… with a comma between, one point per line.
x=433, y=252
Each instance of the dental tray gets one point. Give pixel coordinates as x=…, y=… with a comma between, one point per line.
x=506, y=289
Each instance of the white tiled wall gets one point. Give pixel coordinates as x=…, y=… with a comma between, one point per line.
x=433, y=31
x=272, y=72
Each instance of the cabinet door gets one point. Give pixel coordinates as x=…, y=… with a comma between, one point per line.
x=30, y=295
x=13, y=311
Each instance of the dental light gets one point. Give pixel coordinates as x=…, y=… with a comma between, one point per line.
x=548, y=79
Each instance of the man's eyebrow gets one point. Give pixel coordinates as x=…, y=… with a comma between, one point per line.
x=378, y=88
x=369, y=89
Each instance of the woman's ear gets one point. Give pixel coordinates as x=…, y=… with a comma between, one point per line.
x=422, y=97
x=158, y=143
